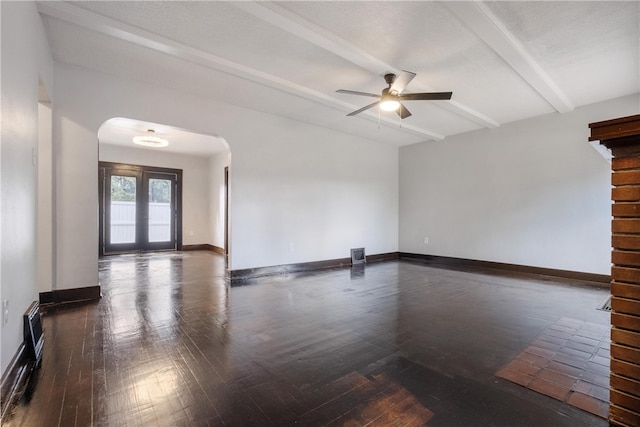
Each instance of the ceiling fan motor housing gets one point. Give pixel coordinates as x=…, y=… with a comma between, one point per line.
x=389, y=78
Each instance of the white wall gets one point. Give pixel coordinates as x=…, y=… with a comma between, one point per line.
x=533, y=192
x=217, y=163
x=195, y=184
x=298, y=192
x=25, y=59
x=312, y=194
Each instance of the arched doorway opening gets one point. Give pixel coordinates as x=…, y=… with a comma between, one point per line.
x=161, y=188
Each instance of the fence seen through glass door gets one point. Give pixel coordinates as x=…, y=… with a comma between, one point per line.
x=123, y=209
x=159, y=210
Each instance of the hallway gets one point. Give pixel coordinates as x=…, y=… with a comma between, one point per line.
x=394, y=343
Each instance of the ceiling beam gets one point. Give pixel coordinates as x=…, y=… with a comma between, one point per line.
x=95, y=22
x=307, y=30
x=477, y=17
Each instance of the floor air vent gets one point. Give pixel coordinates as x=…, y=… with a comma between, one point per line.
x=606, y=305
x=357, y=256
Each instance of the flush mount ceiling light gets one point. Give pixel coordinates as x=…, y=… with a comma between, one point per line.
x=150, y=140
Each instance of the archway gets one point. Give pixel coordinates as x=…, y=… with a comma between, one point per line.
x=202, y=160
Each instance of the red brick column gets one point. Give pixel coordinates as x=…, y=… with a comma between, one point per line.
x=622, y=136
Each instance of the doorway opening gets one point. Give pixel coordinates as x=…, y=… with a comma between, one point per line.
x=46, y=200
x=226, y=215
x=183, y=171
x=140, y=208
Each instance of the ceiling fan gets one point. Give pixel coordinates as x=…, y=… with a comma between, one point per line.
x=391, y=97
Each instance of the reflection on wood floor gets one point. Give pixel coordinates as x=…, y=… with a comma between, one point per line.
x=395, y=343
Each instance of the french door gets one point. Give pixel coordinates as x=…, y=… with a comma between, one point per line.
x=140, y=208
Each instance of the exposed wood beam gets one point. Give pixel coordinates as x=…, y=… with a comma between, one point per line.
x=95, y=22
x=304, y=29
x=477, y=17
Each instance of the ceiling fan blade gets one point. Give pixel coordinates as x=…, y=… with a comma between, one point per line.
x=401, y=81
x=353, y=92
x=363, y=109
x=428, y=96
x=403, y=112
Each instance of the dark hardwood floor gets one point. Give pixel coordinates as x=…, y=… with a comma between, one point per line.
x=395, y=343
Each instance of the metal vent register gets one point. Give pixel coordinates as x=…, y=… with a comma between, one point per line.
x=606, y=305
x=357, y=256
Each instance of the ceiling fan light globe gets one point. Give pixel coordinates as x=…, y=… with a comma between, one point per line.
x=389, y=105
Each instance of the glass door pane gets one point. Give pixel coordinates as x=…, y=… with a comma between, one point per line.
x=123, y=209
x=160, y=216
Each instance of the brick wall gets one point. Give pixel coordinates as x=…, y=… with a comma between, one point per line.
x=622, y=136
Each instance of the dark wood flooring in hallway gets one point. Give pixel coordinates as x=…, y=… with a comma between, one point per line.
x=394, y=343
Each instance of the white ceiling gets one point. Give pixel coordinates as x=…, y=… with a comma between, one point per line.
x=504, y=61
x=121, y=131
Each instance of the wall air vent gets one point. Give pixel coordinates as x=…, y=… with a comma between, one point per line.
x=606, y=305
x=357, y=256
